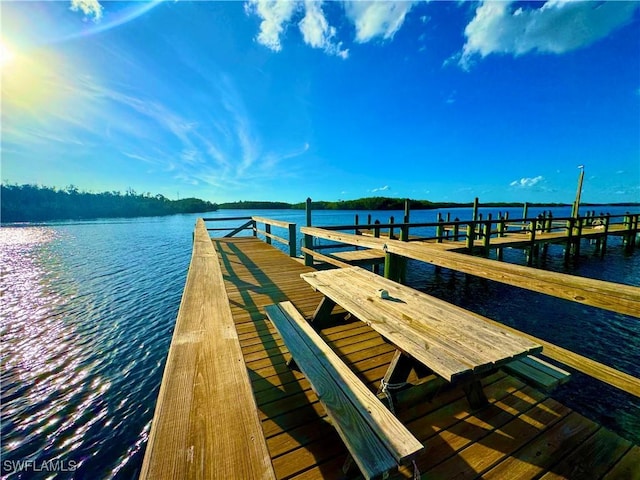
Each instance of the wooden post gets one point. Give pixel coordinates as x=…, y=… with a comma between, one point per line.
x=533, y=242
x=471, y=227
x=439, y=228
x=475, y=209
x=576, y=203
x=407, y=207
x=525, y=210
x=487, y=235
x=254, y=225
x=392, y=267
x=376, y=229
x=369, y=219
x=579, y=222
x=293, y=240
x=267, y=229
x=567, y=251
x=501, y=225
x=605, y=234
x=456, y=230
x=391, y=220
x=308, y=241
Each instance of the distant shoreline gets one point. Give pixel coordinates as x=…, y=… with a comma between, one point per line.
x=386, y=203
x=32, y=203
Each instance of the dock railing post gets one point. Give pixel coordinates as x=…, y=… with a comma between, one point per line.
x=267, y=229
x=579, y=222
x=605, y=235
x=391, y=220
x=308, y=243
x=487, y=235
x=456, y=230
x=293, y=240
x=471, y=228
x=407, y=207
x=532, y=238
x=567, y=251
x=439, y=228
x=254, y=225
x=376, y=229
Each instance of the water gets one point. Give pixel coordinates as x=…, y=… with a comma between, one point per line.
x=88, y=310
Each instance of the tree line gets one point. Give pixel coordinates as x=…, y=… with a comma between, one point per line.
x=34, y=203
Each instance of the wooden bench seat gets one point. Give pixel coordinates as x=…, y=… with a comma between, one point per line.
x=376, y=440
x=537, y=372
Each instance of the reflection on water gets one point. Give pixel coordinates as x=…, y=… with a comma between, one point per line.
x=88, y=309
x=85, y=329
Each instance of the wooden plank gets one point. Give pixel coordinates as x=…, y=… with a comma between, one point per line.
x=591, y=459
x=369, y=452
x=479, y=457
x=539, y=373
x=545, y=451
x=204, y=428
x=627, y=466
x=271, y=221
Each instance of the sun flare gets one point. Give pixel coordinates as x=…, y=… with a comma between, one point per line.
x=6, y=54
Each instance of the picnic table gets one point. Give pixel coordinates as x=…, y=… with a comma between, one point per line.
x=455, y=344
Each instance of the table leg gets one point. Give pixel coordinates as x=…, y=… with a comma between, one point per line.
x=398, y=371
x=475, y=394
x=323, y=312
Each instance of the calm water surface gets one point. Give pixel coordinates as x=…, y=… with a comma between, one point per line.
x=88, y=310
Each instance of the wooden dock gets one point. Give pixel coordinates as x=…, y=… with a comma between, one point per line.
x=229, y=407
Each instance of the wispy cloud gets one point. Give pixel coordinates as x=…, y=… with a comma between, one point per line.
x=557, y=26
x=377, y=19
x=527, y=182
x=381, y=189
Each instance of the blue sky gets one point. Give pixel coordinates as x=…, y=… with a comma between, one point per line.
x=226, y=101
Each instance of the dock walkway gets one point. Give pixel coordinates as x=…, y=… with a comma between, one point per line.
x=522, y=432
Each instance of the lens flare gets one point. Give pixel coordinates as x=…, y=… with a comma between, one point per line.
x=6, y=54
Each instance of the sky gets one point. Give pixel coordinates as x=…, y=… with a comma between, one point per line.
x=284, y=100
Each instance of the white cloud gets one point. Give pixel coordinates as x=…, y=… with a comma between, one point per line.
x=314, y=27
x=381, y=189
x=558, y=26
x=377, y=18
x=317, y=32
x=91, y=8
x=527, y=182
x=275, y=15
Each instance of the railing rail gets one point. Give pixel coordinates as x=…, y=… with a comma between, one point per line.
x=251, y=224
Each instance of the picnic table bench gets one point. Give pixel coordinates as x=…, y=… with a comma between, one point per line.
x=375, y=438
x=455, y=344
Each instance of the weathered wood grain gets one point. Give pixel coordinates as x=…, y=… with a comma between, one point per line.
x=446, y=338
x=205, y=423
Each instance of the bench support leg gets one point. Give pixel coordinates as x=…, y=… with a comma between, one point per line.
x=475, y=394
